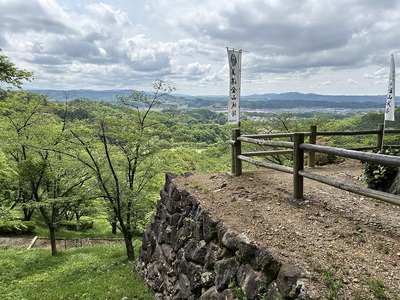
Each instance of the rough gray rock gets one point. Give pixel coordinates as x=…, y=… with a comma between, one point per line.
x=210, y=294
x=225, y=272
x=287, y=281
x=185, y=254
x=196, y=251
x=251, y=282
x=266, y=262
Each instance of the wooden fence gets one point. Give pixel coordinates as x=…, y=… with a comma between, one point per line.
x=298, y=147
x=67, y=243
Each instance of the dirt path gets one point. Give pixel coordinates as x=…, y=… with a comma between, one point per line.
x=41, y=242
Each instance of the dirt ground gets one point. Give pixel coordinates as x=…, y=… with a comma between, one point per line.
x=347, y=245
x=62, y=244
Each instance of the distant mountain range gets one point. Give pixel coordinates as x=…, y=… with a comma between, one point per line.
x=256, y=101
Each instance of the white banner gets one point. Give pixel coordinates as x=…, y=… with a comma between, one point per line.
x=235, y=60
x=390, y=105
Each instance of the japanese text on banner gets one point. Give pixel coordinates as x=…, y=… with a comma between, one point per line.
x=390, y=105
x=234, y=58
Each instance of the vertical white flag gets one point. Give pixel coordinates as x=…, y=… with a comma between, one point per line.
x=390, y=105
x=235, y=60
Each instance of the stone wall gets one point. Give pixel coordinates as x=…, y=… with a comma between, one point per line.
x=185, y=254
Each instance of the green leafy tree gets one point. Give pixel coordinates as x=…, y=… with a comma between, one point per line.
x=63, y=188
x=21, y=112
x=10, y=74
x=122, y=156
x=47, y=181
x=8, y=187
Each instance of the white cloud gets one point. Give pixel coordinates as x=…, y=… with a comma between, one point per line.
x=324, y=83
x=351, y=81
x=196, y=68
x=291, y=45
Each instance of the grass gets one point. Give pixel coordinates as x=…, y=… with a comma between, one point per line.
x=378, y=289
x=383, y=248
x=239, y=294
x=332, y=284
x=197, y=185
x=101, y=229
x=97, y=272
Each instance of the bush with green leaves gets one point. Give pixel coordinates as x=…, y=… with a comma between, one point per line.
x=81, y=225
x=16, y=227
x=380, y=177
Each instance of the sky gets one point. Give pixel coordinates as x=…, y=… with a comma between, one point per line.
x=330, y=47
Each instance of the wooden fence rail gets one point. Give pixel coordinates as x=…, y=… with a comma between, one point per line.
x=299, y=147
x=76, y=242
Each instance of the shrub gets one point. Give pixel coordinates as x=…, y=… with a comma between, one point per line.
x=326, y=159
x=76, y=225
x=16, y=227
x=380, y=177
x=322, y=159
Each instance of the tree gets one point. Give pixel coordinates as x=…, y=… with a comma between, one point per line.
x=21, y=112
x=8, y=186
x=10, y=74
x=61, y=189
x=123, y=158
x=47, y=181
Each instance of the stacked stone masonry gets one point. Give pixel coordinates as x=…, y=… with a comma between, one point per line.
x=185, y=254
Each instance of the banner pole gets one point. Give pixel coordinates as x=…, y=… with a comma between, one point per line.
x=383, y=136
x=234, y=59
x=390, y=98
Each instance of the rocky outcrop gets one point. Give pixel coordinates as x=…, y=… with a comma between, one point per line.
x=185, y=254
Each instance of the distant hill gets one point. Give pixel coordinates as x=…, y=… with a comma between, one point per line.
x=256, y=101
x=316, y=97
x=104, y=95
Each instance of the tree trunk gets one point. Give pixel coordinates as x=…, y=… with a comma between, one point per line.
x=129, y=246
x=114, y=227
x=28, y=212
x=52, y=230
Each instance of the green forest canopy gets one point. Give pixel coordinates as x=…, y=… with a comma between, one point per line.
x=48, y=144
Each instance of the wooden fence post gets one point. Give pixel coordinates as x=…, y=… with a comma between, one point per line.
x=236, y=150
x=298, y=165
x=312, y=139
x=32, y=242
x=379, y=139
